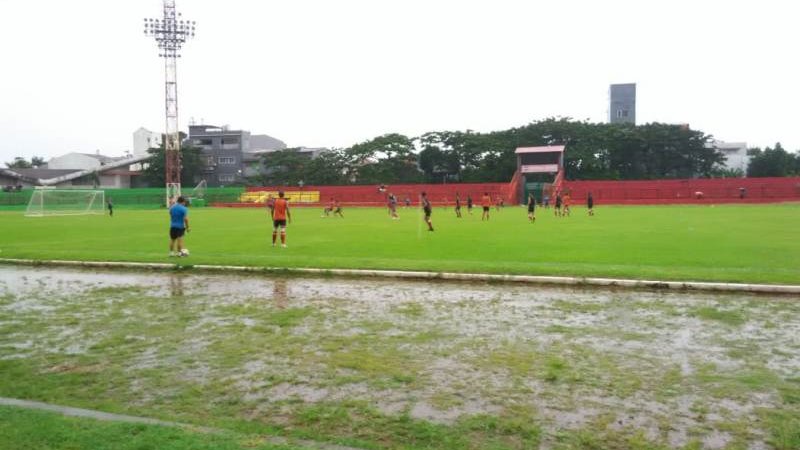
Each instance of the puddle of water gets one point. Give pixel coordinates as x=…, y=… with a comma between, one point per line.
x=470, y=348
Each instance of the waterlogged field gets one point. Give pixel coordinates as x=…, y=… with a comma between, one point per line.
x=388, y=364
x=734, y=243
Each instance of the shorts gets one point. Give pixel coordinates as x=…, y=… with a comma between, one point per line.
x=281, y=223
x=486, y=208
x=530, y=209
x=175, y=233
x=427, y=213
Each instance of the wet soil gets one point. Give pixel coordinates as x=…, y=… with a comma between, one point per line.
x=676, y=367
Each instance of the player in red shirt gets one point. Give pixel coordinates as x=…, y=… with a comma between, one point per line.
x=280, y=214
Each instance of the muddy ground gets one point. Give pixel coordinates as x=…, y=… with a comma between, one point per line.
x=670, y=369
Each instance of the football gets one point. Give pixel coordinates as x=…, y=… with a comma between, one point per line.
x=185, y=252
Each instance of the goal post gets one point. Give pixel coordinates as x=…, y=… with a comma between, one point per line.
x=65, y=202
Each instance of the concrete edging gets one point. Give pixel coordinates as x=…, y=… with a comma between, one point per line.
x=531, y=279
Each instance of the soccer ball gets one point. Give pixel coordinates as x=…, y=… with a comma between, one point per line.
x=185, y=252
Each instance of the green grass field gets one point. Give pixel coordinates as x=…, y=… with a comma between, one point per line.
x=741, y=243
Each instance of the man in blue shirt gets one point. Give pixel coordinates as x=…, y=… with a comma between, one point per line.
x=178, y=225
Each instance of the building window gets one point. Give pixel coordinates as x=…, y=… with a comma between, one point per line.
x=226, y=177
x=227, y=160
x=209, y=160
x=624, y=113
x=230, y=140
x=202, y=142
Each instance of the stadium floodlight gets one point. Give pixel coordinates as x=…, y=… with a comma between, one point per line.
x=170, y=33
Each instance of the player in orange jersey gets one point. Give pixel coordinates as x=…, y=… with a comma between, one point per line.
x=567, y=198
x=280, y=214
x=486, y=202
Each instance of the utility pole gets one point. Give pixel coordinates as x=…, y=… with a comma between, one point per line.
x=170, y=33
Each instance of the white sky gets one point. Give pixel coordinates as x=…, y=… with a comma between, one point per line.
x=80, y=75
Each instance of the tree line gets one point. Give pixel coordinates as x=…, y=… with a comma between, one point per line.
x=594, y=151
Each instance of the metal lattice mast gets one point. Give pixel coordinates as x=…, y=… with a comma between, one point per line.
x=170, y=33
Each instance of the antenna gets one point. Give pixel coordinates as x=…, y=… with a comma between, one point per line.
x=170, y=33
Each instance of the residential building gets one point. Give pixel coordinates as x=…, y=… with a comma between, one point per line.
x=144, y=139
x=736, y=156
x=96, y=171
x=222, y=149
x=622, y=103
x=82, y=161
x=231, y=155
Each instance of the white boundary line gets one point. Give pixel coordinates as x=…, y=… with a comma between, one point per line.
x=531, y=279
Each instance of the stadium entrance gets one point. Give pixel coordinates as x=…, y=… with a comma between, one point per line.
x=541, y=170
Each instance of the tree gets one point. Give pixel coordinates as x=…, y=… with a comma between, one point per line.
x=389, y=158
x=772, y=162
x=19, y=163
x=192, y=165
x=284, y=167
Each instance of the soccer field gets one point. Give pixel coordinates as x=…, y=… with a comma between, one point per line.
x=732, y=243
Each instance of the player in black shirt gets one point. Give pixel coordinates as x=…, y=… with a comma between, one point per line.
x=426, y=207
x=531, y=208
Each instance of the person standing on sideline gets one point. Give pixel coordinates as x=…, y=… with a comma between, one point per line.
x=427, y=209
x=486, y=203
x=567, y=200
x=546, y=201
x=458, y=205
x=110, y=206
x=531, y=208
x=590, y=204
x=469, y=204
x=178, y=225
x=280, y=213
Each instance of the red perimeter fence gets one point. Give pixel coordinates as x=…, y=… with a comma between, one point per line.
x=641, y=192
x=712, y=190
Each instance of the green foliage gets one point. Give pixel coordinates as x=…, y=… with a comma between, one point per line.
x=192, y=165
x=773, y=162
x=387, y=158
x=594, y=151
x=20, y=163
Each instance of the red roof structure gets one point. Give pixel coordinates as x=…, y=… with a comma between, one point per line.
x=543, y=149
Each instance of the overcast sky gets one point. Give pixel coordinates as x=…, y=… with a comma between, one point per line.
x=80, y=75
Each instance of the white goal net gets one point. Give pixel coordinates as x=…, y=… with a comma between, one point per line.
x=61, y=202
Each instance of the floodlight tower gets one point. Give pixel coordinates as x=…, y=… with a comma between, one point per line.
x=170, y=33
